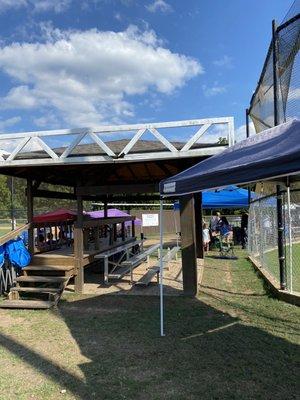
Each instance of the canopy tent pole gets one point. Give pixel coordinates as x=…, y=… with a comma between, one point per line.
x=161, y=268
x=175, y=225
x=290, y=237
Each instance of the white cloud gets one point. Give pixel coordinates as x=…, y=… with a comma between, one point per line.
x=213, y=90
x=118, y=16
x=19, y=97
x=7, y=4
x=224, y=61
x=240, y=132
x=8, y=122
x=57, y=6
x=88, y=77
x=294, y=94
x=159, y=5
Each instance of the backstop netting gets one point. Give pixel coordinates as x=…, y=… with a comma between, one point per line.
x=279, y=83
x=263, y=238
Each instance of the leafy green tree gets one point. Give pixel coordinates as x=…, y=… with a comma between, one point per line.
x=5, y=201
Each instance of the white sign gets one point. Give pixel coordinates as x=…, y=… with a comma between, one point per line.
x=150, y=219
x=170, y=187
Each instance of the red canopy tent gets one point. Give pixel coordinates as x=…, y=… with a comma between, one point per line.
x=62, y=214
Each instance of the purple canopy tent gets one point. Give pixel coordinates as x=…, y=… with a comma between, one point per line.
x=113, y=212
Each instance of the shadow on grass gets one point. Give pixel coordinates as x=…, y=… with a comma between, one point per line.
x=252, y=294
x=206, y=354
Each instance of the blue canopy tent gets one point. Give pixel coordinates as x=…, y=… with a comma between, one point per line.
x=228, y=197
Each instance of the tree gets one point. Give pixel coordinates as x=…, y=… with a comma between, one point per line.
x=5, y=199
x=223, y=141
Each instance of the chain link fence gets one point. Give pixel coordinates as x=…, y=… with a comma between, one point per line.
x=263, y=236
x=279, y=84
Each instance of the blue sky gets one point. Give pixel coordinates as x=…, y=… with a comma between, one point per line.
x=71, y=63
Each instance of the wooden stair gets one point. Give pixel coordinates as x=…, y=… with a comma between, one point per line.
x=41, y=285
x=29, y=304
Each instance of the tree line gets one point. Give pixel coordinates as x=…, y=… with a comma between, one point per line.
x=12, y=196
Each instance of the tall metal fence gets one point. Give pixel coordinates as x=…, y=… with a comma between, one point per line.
x=263, y=236
x=277, y=96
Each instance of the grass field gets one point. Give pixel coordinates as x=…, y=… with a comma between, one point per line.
x=232, y=342
x=271, y=260
x=4, y=229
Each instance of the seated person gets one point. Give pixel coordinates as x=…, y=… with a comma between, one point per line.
x=225, y=229
x=50, y=238
x=62, y=238
x=214, y=223
x=41, y=244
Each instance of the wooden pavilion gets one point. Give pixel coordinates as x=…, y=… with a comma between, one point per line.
x=103, y=170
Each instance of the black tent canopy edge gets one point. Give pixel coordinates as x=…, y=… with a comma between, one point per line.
x=273, y=154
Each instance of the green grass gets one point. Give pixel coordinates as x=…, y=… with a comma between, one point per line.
x=232, y=342
x=4, y=230
x=271, y=261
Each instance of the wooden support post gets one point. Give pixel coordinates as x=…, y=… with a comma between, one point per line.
x=30, y=216
x=198, y=224
x=97, y=238
x=188, y=245
x=85, y=239
x=115, y=233
x=105, y=214
x=123, y=231
x=78, y=247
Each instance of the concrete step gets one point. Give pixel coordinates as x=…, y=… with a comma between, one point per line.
x=31, y=304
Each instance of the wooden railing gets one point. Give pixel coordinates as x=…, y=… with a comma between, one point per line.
x=13, y=234
x=7, y=272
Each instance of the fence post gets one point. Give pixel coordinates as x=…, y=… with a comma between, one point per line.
x=280, y=228
x=248, y=135
x=275, y=82
x=290, y=238
x=247, y=123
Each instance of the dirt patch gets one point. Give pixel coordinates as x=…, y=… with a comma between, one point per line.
x=8, y=319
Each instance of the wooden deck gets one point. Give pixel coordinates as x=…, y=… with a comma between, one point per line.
x=63, y=257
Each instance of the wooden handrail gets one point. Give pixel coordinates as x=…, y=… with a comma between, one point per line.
x=16, y=232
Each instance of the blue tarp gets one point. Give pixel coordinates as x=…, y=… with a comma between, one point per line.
x=229, y=197
x=271, y=154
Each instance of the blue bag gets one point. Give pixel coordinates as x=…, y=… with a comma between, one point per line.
x=2, y=255
x=17, y=253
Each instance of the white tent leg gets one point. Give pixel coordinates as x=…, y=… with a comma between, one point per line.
x=290, y=237
x=161, y=269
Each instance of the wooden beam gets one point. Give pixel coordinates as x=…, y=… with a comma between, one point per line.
x=188, y=245
x=78, y=247
x=30, y=216
x=51, y=194
x=111, y=189
x=198, y=224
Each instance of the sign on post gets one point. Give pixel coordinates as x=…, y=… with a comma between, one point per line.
x=150, y=219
